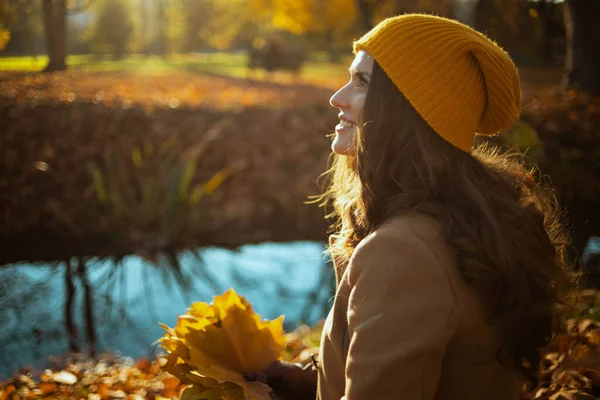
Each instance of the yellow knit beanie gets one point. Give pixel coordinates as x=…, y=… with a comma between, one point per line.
x=457, y=79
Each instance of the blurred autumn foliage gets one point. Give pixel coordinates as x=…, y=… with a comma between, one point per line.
x=113, y=29
x=4, y=37
x=560, y=130
x=570, y=367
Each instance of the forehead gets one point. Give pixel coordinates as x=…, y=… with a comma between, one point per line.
x=363, y=62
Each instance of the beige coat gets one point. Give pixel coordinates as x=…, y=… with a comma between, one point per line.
x=405, y=326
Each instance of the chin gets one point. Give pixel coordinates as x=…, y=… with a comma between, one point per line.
x=343, y=147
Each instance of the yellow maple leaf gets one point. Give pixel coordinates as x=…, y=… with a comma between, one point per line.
x=213, y=345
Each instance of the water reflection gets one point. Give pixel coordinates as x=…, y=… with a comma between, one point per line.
x=131, y=297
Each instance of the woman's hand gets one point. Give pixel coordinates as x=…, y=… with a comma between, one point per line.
x=289, y=381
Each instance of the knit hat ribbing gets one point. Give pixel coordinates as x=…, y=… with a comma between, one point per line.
x=457, y=79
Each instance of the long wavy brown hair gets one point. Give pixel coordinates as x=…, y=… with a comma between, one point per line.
x=503, y=226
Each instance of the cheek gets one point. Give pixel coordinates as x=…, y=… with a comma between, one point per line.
x=358, y=103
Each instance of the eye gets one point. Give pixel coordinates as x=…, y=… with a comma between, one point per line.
x=359, y=78
x=363, y=81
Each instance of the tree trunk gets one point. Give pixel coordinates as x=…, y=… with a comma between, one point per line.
x=162, y=28
x=29, y=35
x=545, y=9
x=88, y=308
x=69, y=322
x=366, y=13
x=55, y=26
x=465, y=11
x=48, y=14
x=582, y=68
x=146, y=33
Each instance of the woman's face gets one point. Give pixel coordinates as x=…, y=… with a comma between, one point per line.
x=350, y=100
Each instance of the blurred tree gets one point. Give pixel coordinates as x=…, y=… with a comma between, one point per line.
x=55, y=29
x=509, y=22
x=305, y=16
x=113, y=28
x=175, y=16
x=367, y=8
x=151, y=23
x=337, y=32
x=211, y=24
x=582, y=68
x=160, y=42
x=21, y=31
x=545, y=10
x=445, y=8
x=4, y=37
x=330, y=24
x=498, y=19
x=5, y=14
x=144, y=31
x=8, y=11
x=373, y=11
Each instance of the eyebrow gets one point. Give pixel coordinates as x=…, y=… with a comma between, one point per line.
x=363, y=75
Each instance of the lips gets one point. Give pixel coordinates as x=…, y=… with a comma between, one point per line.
x=345, y=124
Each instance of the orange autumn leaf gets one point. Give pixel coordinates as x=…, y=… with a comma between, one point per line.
x=594, y=337
x=143, y=364
x=7, y=392
x=213, y=345
x=47, y=388
x=171, y=382
x=103, y=391
x=563, y=343
x=170, y=393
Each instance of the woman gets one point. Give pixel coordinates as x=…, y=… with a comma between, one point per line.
x=448, y=257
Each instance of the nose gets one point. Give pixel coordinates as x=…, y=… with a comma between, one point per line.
x=338, y=99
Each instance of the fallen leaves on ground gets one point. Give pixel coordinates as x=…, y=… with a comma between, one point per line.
x=570, y=368
x=127, y=89
x=124, y=379
x=106, y=379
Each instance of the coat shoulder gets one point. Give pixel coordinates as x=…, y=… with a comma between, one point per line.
x=415, y=225
x=414, y=239
x=416, y=231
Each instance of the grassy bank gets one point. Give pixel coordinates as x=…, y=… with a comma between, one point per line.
x=316, y=71
x=114, y=163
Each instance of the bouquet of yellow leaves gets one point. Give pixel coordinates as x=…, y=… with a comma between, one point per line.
x=213, y=345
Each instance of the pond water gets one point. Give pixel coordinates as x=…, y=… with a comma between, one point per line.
x=131, y=297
